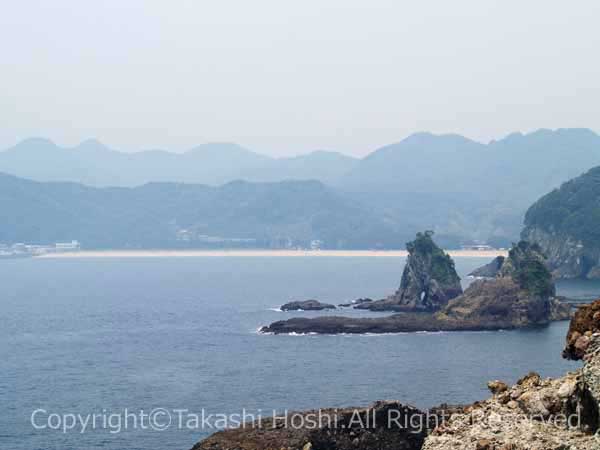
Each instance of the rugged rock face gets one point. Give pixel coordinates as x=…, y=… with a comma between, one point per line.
x=567, y=257
x=537, y=414
x=521, y=295
x=500, y=301
x=534, y=414
x=429, y=279
x=585, y=324
x=382, y=426
x=489, y=270
x=306, y=305
x=565, y=224
x=526, y=265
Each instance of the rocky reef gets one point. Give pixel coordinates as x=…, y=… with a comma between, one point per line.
x=565, y=225
x=306, y=305
x=429, y=280
x=534, y=414
x=521, y=295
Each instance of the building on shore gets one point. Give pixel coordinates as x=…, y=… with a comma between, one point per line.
x=73, y=246
x=477, y=247
x=21, y=250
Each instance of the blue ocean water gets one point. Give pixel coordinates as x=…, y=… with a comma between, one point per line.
x=98, y=336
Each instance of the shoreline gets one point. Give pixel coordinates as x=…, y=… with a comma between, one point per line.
x=261, y=253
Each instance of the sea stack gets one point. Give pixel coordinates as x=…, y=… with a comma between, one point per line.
x=429, y=280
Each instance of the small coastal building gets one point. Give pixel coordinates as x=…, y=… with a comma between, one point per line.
x=73, y=246
x=477, y=247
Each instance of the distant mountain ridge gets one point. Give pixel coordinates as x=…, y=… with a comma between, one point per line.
x=94, y=164
x=422, y=162
x=425, y=162
x=463, y=190
x=470, y=190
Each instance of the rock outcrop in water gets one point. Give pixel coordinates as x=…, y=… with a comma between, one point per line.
x=429, y=279
x=489, y=270
x=306, y=305
x=521, y=295
x=565, y=223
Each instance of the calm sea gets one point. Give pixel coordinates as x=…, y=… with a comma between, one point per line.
x=98, y=336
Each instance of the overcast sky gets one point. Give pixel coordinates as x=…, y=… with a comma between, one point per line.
x=285, y=77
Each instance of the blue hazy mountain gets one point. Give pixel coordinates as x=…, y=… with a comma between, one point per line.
x=424, y=162
x=462, y=189
x=166, y=215
x=94, y=164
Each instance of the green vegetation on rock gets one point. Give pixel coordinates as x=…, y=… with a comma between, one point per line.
x=572, y=210
x=526, y=265
x=442, y=265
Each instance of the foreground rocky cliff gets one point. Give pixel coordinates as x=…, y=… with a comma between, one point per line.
x=534, y=414
x=537, y=414
x=429, y=280
x=381, y=426
x=565, y=223
x=521, y=295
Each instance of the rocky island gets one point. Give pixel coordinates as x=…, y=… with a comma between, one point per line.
x=534, y=414
x=522, y=294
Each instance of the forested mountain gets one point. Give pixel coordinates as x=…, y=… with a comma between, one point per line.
x=566, y=224
x=162, y=215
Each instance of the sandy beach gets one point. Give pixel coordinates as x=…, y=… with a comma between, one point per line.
x=261, y=253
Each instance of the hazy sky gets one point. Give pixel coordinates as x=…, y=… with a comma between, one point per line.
x=284, y=77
